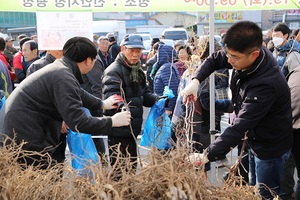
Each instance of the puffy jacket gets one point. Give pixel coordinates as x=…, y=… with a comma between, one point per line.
x=294, y=84
x=262, y=104
x=290, y=49
x=167, y=75
x=117, y=75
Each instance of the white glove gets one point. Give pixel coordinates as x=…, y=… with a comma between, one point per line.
x=198, y=158
x=189, y=93
x=121, y=119
x=110, y=102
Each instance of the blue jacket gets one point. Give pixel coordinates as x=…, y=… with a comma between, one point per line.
x=167, y=74
x=262, y=104
x=281, y=54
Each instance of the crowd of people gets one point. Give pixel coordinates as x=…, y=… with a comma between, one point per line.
x=102, y=75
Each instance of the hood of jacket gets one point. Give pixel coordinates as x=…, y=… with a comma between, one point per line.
x=166, y=54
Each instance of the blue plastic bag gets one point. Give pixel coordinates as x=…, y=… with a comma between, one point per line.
x=157, y=129
x=83, y=150
x=3, y=99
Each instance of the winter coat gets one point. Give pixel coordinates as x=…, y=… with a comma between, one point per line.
x=114, y=50
x=92, y=83
x=294, y=84
x=180, y=67
x=288, y=56
x=150, y=64
x=106, y=60
x=5, y=82
x=36, y=108
x=167, y=75
x=262, y=104
x=117, y=75
x=222, y=103
x=40, y=63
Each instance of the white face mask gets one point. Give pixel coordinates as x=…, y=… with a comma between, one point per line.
x=277, y=41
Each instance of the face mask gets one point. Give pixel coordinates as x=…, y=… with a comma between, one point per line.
x=277, y=41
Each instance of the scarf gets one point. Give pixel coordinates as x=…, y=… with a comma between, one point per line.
x=137, y=75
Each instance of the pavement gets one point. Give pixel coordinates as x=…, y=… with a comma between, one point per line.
x=214, y=175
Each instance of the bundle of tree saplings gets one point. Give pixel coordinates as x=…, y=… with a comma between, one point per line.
x=162, y=175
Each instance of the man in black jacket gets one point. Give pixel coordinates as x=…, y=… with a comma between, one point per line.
x=113, y=49
x=126, y=72
x=262, y=105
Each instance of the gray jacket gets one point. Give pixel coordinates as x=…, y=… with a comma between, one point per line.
x=37, y=107
x=294, y=84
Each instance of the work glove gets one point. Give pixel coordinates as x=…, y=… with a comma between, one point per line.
x=189, y=93
x=121, y=119
x=198, y=158
x=111, y=102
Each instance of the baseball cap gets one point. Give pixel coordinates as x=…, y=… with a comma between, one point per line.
x=179, y=43
x=133, y=41
x=110, y=35
x=9, y=38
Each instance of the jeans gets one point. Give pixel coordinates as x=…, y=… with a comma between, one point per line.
x=267, y=173
x=287, y=179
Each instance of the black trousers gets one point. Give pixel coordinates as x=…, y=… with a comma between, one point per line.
x=127, y=148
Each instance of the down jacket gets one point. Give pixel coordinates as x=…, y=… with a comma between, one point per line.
x=167, y=74
x=117, y=75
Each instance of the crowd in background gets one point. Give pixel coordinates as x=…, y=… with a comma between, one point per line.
x=117, y=70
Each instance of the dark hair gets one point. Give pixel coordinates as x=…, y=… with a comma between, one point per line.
x=32, y=43
x=282, y=27
x=111, y=39
x=270, y=46
x=156, y=45
x=154, y=40
x=79, y=49
x=204, y=47
x=295, y=32
x=23, y=40
x=2, y=44
x=243, y=36
x=187, y=49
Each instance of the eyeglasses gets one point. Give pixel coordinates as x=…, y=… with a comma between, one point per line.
x=234, y=58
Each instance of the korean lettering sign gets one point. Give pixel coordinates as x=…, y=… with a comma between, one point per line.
x=144, y=5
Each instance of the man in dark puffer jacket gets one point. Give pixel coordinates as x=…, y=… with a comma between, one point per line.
x=126, y=71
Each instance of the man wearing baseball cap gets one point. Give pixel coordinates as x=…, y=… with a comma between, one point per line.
x=126, y=74
x=9, y=50
x=113, y=49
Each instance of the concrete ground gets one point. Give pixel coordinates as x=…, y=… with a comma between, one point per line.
x=215, y=174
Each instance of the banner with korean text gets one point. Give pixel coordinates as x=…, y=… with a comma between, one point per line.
x=62, y=26
x=144, y=5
